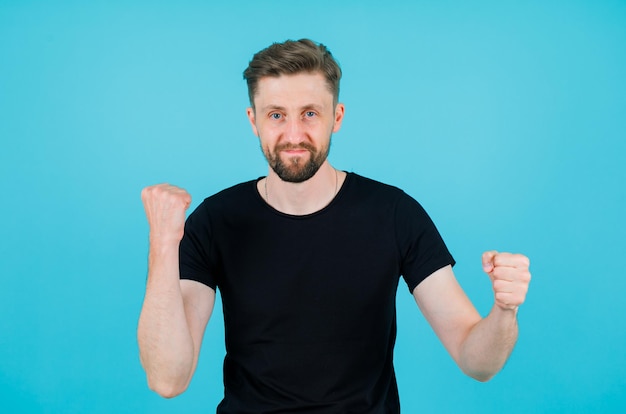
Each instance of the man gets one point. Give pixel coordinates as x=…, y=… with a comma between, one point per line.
x=307, y=260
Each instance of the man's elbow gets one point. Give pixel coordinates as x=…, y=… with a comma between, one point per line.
x=166, y=389
x=481, y=375
x=166, y=383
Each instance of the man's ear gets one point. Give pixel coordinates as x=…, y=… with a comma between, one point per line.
x=251, y=118
x=339, y=112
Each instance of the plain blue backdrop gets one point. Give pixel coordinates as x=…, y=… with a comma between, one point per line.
x=506, y=120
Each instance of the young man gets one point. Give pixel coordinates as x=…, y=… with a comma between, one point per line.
x=308, y=261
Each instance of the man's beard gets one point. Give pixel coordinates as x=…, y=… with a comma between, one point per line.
x=295, y=169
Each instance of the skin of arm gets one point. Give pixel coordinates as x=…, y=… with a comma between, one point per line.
x=479, y=346
x=175, y=312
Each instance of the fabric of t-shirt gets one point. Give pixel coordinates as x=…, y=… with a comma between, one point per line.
x=309, y=301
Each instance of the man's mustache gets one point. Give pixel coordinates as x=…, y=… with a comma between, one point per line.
x=289, y=146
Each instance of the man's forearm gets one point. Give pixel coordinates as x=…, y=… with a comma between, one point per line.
x=165, y=342
x=489, y=344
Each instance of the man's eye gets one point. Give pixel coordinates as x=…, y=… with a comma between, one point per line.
x=309, y=114
x=275, y=116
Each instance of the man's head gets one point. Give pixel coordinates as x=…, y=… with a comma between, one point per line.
x=290, y=58
x=293, y=88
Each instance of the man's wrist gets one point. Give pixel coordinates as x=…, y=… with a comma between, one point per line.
x=163, y=246
x=505, y=312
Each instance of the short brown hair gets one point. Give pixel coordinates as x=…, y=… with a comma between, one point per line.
x=292, y=57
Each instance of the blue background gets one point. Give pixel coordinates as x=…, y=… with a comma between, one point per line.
x=506, y=120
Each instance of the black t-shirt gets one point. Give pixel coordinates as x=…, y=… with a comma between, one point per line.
x=309, y=301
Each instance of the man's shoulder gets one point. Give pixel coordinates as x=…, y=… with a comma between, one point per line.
x=374, y=187
x=231, y=197
x=240, y=189
x=377, y=193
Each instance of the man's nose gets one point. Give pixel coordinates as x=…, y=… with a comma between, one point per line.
x=294, y=130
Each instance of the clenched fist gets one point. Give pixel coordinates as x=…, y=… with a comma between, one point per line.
x=165, y=207
x=510, y=276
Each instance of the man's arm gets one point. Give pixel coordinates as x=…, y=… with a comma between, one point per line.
x=479, y=346
x=175, y=312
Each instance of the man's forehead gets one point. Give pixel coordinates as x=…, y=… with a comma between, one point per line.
x=299, y=89
x=303, y=80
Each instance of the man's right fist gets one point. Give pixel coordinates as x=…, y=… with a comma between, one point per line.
x=165, y=207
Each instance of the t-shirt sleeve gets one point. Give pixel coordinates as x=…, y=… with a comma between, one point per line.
x=195, y=249
x=422, y=248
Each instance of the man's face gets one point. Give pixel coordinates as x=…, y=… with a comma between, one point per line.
x=294, y=117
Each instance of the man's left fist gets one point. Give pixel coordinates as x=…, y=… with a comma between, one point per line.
x=510, y=276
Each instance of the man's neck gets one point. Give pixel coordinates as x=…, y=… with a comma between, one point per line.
x=303, y=198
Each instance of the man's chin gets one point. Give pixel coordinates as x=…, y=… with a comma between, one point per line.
x=296, y=174
x=294, y=177
x=296, y=168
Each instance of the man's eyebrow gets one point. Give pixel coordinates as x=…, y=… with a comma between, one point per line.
x=271, y=107
x=267, y=108
x=313, y=106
